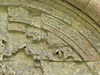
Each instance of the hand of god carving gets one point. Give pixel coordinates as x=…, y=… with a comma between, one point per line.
x=58, y=52
x=67, y=52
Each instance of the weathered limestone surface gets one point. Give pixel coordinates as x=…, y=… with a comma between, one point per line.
x=91, y=7
x=47, y=37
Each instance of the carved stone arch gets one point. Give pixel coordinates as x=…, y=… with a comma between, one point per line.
x=47, y=37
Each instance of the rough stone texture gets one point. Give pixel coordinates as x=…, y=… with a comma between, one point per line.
x=91, y=7
x=47, y=37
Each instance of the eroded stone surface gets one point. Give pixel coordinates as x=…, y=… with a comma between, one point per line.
x=47, y=38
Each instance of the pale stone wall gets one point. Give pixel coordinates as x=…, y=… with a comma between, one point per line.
x=47, y=37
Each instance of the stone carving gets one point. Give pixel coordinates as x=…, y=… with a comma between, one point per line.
x=67, y=52
x=37, y=38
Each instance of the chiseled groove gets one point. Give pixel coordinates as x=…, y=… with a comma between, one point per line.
x=78, y=14
x=87, y=4
x=72, y=40
x=76, y=33
x=89, y=68
x=82, y=17
x=70, y=45
x=79, y=32
x=91, y=44
x=84, y=38
x=81, y=35
x=67, y=37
